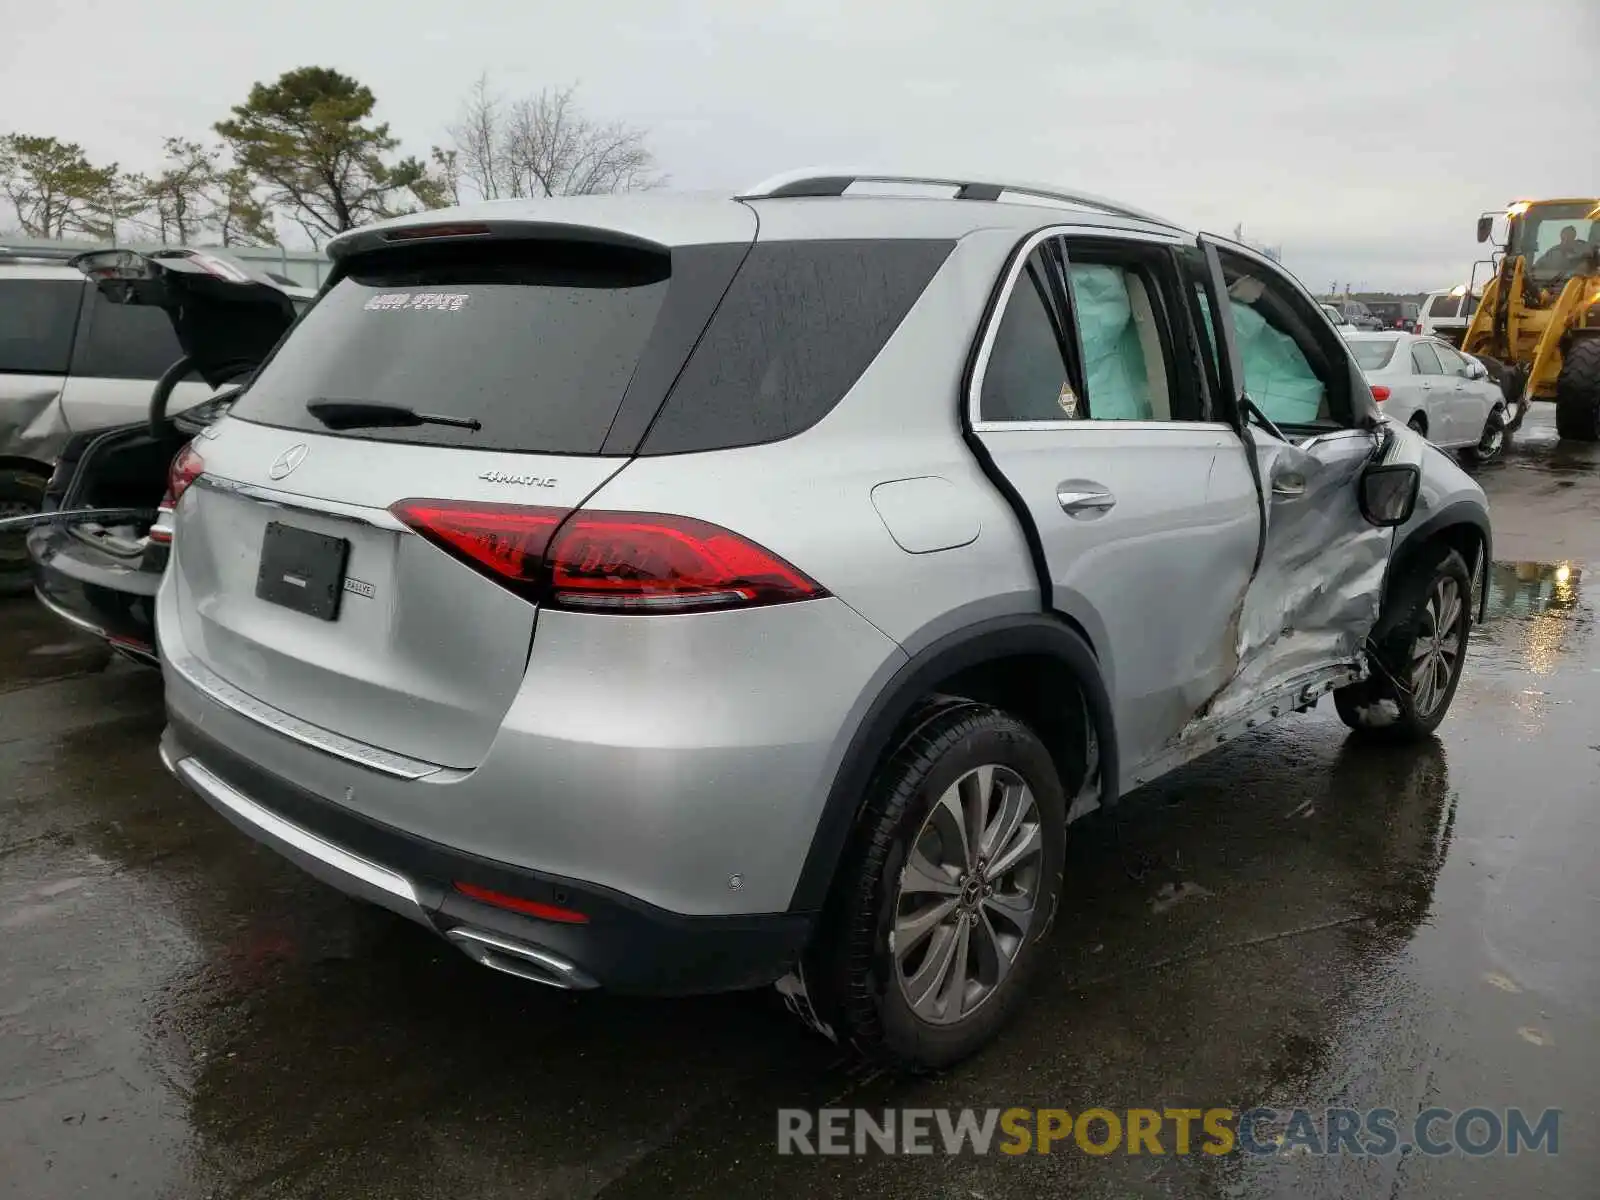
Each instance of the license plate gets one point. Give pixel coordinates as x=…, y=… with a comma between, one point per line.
x=303, y=570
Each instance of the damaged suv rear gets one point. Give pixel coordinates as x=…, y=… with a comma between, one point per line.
x=99, y=546
x=673, y=594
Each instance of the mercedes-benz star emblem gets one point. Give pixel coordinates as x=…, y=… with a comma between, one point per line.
x=288, y=461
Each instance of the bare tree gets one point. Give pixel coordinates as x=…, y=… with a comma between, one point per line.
x=477, y=137
x=545, y=145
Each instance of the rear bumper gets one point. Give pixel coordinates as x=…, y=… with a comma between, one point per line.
x=625, y=945
x=102, y=594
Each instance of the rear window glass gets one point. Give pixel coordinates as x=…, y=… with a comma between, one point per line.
x=1373, y=356
x=534, y=340
x=37, y=319
x=1444, y=306
x=799, y=325
x=125, y=341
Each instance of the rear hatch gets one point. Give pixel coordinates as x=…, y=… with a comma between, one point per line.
x=490, y=365
x=227, y=317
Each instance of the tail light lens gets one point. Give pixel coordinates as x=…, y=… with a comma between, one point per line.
x=187, y=466
x=609, y=561
x=1380, y=393
x=504, y=541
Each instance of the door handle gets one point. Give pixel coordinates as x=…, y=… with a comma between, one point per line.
x=1289, y=485
x=1075, y=503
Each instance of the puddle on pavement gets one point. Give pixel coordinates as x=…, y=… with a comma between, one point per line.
x=1524, y=590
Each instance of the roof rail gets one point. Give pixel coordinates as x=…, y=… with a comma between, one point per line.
x=51, y=253
x=836, y=183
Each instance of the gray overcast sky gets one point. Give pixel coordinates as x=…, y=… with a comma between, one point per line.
x=1364, y=136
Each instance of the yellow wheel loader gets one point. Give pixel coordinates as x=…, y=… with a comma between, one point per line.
x=1537, y=327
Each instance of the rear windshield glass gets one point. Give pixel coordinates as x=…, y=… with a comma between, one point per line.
x=1373, y=356
x=536, y=341
x=37, y=319
x=800, y=324
x=1444, y=306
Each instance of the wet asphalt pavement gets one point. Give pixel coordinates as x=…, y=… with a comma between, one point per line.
x=1294, y=920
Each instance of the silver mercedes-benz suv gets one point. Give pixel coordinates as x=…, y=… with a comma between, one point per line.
x=676, y=594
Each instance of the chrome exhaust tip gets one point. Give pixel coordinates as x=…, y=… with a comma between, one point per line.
x=533, y=963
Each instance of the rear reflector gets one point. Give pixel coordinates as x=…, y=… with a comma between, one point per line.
x=1380, y=393
x=532, y=908
x=619, y=562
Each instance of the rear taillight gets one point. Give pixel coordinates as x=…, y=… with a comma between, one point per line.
x=1417, y=329
x=1380, y=393
x=187, y=466
x=618, y=562
x=504, y=541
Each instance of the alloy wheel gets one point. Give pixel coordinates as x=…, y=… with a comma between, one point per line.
x=968, y=894
x=1436, y=653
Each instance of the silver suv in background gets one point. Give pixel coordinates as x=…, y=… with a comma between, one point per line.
x=71, y=362
x=675, y=594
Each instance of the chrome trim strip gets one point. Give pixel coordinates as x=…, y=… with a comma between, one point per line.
x=378, y=518
x=72, y=619
x=216, y=688
x=1102, y=428
x=216, y=790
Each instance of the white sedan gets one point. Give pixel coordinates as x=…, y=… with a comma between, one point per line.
x=1443, y=394
x=1339, y=320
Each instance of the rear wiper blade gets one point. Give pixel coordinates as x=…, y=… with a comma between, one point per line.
x=360, y=414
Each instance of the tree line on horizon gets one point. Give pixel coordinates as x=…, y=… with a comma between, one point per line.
x=305, y=151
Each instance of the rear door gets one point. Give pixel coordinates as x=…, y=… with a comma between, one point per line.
x=1087, y=400
x=38, y=314
x=516, y=354
x=1315, y=594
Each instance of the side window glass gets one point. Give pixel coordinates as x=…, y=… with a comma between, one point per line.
x=1026, y=378
x=1452, y=362
x=1125, y=372
x=1425, y=360
x=125, y=341
x=1287, y=373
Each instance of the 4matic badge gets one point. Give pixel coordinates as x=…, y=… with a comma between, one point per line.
x=524, y=480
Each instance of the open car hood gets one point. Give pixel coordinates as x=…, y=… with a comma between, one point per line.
x=227, y=317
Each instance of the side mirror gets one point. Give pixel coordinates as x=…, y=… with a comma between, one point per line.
x=1476, y=370
x=1389, y=493
x=1485, y=227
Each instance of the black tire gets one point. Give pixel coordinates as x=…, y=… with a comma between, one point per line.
x=1418, y=424
x=21, y=493
x=860, y=982
x=1386, y=705
x=1578, y=392
x=1493, y=444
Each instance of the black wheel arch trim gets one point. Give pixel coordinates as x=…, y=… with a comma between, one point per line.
x=917, y=681
x=1456, y=513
